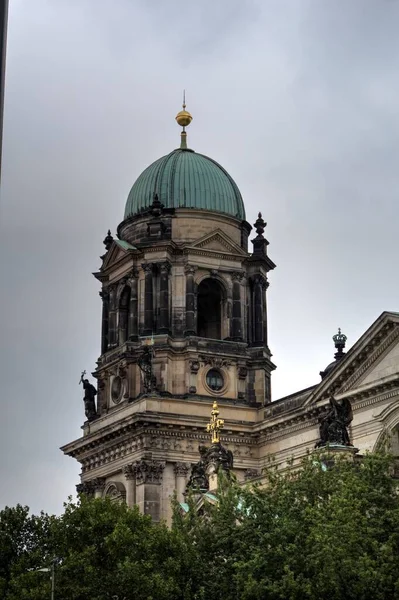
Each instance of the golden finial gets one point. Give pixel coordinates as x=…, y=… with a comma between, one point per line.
x=215, y=425
x=184, y=119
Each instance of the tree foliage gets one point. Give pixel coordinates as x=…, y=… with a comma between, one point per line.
x=311, y=534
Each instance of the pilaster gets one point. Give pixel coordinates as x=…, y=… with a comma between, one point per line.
x=181, y=470
x=149, y=474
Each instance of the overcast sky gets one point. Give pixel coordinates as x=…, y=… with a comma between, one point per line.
x=297, y=99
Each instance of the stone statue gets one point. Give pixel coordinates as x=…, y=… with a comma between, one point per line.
x=198, y=479
x=89, y=398
x=211, y=459
x=334, y=424
x=145, y=365
x=220, y=456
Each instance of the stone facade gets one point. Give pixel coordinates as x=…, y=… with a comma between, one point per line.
x=184, y=282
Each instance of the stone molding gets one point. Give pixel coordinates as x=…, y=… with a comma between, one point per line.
x=116, y=491
x=163, y=440
x=390, y=339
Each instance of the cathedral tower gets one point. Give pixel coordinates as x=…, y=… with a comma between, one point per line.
x=184, y=321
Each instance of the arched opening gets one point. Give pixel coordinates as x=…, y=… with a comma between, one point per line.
x=123, y=310
x=116, y=491
x=209, y=309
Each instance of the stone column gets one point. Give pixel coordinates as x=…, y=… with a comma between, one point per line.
x=181, y=471
x=164, y=269
x=149, y=475
x=257, y=310
x=133, y=307
x=104, y=323
x=112, y=317
x=148, y=300
x=236, y=320
x=98, y=486
x=130, y=475
x=190, y=301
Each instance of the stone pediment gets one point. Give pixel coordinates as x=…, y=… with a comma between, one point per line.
x=118, y=251
x=218, y=241
x=373, y=360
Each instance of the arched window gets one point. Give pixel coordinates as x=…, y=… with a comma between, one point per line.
x=209, y=309
x=123, y=311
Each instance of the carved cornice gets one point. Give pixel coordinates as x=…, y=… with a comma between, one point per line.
x=96, y=456
x=215, y=254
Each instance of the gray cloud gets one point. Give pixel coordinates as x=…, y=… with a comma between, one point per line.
x=296, y=99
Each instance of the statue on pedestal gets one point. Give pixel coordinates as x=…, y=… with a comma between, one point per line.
x=333, y=425
x=89, y=398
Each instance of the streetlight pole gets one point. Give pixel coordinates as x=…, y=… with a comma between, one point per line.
x=52, y=579
x=52, y=575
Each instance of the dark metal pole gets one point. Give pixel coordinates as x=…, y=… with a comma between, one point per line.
x=3, y=47
x=52, y=579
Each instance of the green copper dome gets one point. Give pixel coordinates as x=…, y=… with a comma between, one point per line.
x=185, y=179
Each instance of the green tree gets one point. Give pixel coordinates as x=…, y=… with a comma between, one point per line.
x=311, y=534
x=103, y=549
x=23, y=542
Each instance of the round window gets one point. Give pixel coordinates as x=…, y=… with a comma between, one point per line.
x=116, y=389
x=214, y=380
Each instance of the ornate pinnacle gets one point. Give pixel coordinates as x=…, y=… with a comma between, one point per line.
x=108, y=240
x=216, y=424
x=260, y=225
x=339, y=340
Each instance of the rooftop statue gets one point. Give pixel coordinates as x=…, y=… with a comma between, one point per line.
x=334, y=424
x=90, y=393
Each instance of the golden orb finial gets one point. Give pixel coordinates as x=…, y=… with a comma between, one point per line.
x=184, y=119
